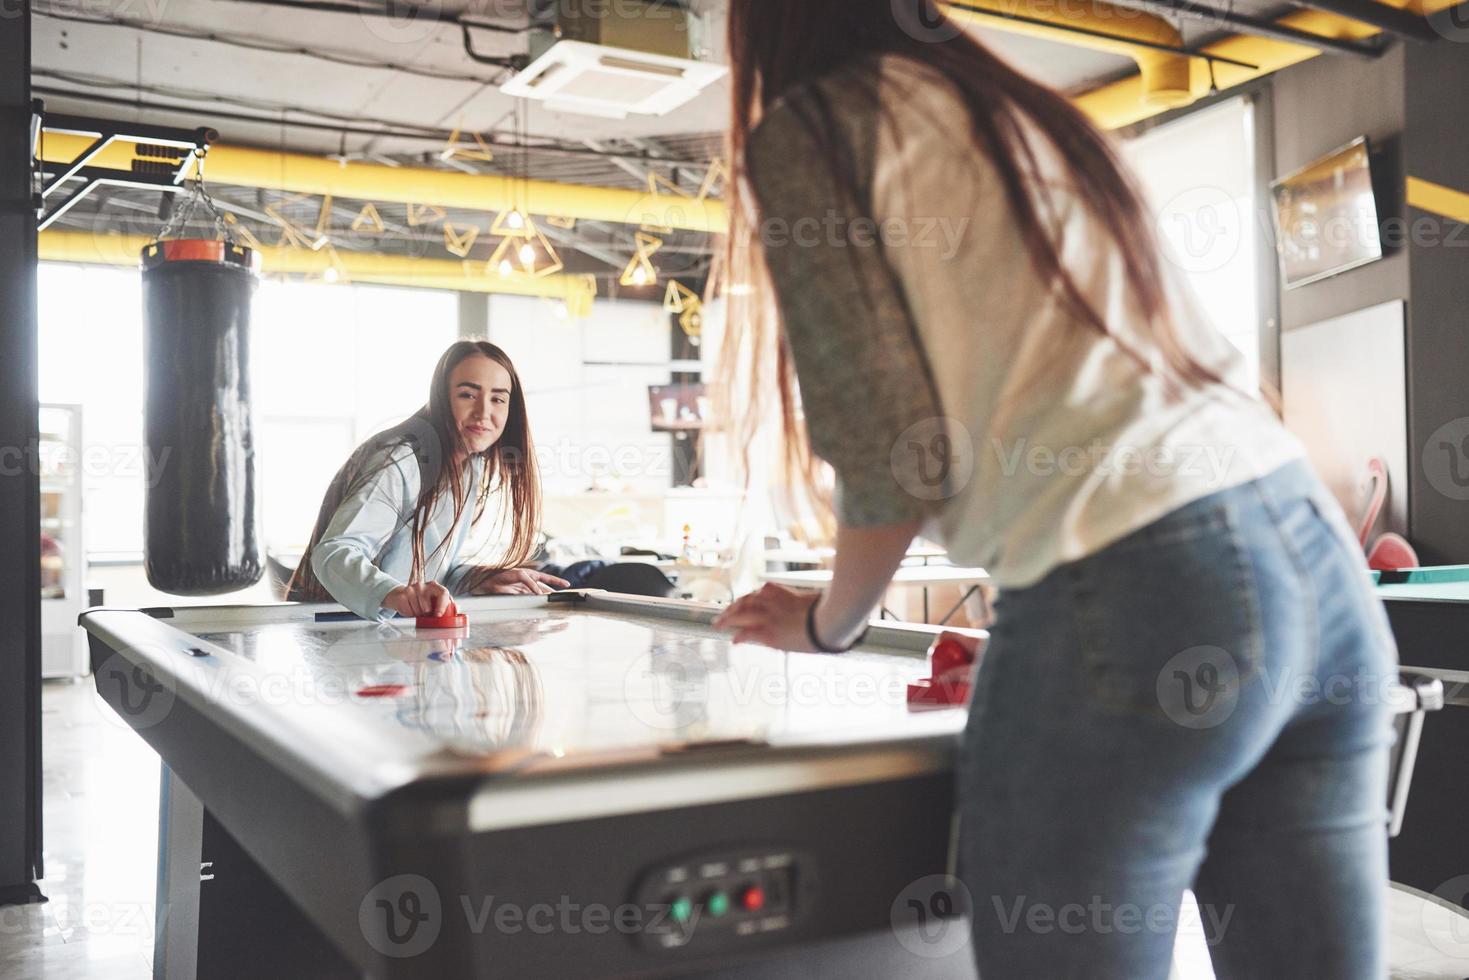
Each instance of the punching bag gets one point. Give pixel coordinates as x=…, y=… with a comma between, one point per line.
x=199, y=516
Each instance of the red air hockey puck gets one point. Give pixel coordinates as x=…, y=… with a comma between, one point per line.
x=926, y=694
x=950, y=656
x=381, y=691
x=451, y=620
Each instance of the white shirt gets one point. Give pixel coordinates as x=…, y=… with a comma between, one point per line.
x=367, y=549
x=1094, y=446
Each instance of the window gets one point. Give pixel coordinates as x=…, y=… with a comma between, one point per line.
x=1198, y=174
x=329, y=366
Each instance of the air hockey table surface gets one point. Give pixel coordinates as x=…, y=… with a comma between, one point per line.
x=583, y=749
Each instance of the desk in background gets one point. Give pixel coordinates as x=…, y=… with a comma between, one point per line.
x=925, y=577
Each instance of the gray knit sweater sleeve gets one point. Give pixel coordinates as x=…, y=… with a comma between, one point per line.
x=863, y=374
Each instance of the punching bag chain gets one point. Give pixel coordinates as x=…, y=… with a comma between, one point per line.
x=178, y=222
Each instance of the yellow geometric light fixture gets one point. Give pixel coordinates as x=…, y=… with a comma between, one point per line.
x=640, y=270
x=245, y=234
x=294, y=235
x=691, y=322
x=657, y=184
x=531, y=255
x=422, y=214
x=455, y=150
x=683, y=301
x=513, y=223
x=717, y=171
x=678, y=297
x=336, y=271
x=369, y=218
x=459, y=242
x=654, y=181
x=322, y=231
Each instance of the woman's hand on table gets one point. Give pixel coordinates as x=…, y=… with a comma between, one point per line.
x=520, y=581
x=772, y=615
x=423, y=599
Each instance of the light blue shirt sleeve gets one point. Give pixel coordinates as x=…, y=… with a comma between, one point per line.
x=454, y=578
x=344, y=558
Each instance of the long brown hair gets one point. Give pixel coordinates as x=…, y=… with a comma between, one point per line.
x=777, y=47
x=434, y=440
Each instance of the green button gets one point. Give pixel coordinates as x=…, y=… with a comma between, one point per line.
x=718, y=904
x=681, y=910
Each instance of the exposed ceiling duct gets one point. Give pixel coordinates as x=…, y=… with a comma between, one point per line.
x=1123, y=102
x=1152, y=43
x=1393, y=19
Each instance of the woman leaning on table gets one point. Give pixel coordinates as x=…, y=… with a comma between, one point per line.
x=1034, y=387
x=391, y=529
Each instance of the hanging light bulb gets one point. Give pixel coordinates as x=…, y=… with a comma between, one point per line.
x=329, y=274
x=505, y=268
x=515, y=219
x=527, y=255
x=639, y=276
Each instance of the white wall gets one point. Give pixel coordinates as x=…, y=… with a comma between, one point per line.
x=331, y=366
x=1199, y=177
x=586, y=387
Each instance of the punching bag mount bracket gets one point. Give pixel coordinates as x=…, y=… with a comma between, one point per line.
x=149, y=143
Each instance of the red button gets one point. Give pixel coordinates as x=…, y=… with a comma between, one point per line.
x=753, y=898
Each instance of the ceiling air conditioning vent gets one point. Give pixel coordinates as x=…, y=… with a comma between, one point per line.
x=616, y=59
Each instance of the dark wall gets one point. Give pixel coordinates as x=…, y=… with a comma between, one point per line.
x=20, y=585
x=1436, y=147
x=1410, y=104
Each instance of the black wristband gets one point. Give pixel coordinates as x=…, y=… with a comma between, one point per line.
x=816, y=640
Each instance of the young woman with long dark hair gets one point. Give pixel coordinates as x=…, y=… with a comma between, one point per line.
x=396, y=516
x=1034, y=388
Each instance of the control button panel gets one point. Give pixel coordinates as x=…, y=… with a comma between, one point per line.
x=719, y=899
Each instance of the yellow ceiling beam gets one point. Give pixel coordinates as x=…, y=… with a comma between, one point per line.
x=123, y=250
x=1438, y=199
x=1165, y=79
x=301, y=173
x=1124, y=101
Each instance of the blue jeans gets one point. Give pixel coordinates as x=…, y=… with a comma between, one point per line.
x=1198, y=705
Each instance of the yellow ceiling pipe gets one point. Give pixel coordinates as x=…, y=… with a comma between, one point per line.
x=301, y=173
x=1123, y=103
x=1165, y=79
x=123, y=250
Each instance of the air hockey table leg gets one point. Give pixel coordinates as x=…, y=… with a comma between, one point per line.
x=180, y=870
x=220, y=916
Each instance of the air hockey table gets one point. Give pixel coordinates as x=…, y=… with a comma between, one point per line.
x=574, y=785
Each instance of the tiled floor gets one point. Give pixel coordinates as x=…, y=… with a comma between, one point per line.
x=101, y=826
x=101, y=829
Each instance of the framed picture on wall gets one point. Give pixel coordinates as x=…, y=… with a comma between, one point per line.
x=1326, y=216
